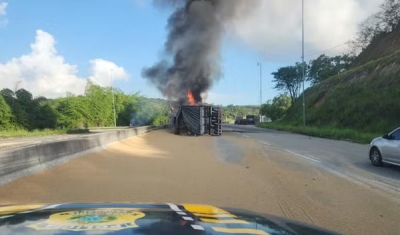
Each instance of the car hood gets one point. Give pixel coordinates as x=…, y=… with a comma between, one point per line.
x=78, y=218
x=378, y=139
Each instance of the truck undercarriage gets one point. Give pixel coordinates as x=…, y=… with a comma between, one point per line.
x=198, y=120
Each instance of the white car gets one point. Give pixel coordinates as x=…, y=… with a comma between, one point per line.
x=386, y=149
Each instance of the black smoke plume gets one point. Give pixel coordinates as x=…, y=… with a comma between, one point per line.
x=192, y=50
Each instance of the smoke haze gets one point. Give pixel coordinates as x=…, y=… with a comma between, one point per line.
x=193, y=45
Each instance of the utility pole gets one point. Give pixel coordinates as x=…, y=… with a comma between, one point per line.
x=113, y=99
x=16, y=86
x=15, y=92
x=260, y=65
x=302, y=58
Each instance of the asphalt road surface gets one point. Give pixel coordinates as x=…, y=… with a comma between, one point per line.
x=312, y=180
x=343, y=158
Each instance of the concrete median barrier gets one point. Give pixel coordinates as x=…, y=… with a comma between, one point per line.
x=15, y=163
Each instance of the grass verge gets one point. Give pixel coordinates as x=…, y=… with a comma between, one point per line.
x=324, y=132
x=46, y=132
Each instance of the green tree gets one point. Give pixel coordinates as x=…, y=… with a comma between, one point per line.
x=289, y=79
x=137, y=110
x=24, y=96
x=161, y=119
x=45, y=116
x=5, y=114
x=324, y=67
x=100, y=104
x=68, y=115
x=95, y=108
x=23, y=109
x=127, y=106
x=277, y=108
x=8, y=96
x=148, y=110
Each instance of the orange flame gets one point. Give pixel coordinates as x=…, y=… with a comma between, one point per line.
x=190, y=97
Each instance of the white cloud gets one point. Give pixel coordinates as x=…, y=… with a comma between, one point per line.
x=100, y=70
x=3, y=7
x=275, y=27
x=45, y=73
x=141, y=3
x=3, y=12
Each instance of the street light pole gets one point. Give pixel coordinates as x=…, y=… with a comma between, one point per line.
x=302, y=57
x=113, y=99
x=259, y=64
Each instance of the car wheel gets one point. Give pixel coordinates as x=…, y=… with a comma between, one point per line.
x=375, y=157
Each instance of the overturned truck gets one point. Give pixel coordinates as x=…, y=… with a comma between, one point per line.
x=198, y=120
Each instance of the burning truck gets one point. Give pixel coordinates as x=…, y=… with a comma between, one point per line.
x=197, y=119
x=191, y=59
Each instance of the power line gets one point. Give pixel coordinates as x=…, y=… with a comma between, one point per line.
x=318, y=53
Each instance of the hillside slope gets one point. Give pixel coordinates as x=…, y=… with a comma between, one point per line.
x=383, y=45
x=366, y=98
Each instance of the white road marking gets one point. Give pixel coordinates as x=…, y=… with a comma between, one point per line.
x=264, y=142
x=51, y=206
x=197, y=227
x=25, y=212
x=5, y=216
x=174, y=207
x=246, y=136
x=300, y=155
x=44, y=208
x=187, y=218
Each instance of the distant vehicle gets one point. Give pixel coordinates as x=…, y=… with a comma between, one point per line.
x=386, y=149
x=132, y=219
x=250, y=119
x=238, y=120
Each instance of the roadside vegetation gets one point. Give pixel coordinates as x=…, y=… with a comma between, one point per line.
x=26, y=133
x=351, y=97
x=23, y=115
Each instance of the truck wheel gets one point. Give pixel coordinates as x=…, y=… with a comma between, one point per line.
x=177, y=131
x=177, y=127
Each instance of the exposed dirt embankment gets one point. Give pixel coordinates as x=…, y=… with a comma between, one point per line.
x=382, y=46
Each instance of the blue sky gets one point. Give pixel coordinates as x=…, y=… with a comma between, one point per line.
x=129, y=35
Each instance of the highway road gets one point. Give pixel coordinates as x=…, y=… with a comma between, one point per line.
x=343, y=158
x=318, y=181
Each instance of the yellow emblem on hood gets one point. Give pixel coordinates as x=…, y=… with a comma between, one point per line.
x=97, y=219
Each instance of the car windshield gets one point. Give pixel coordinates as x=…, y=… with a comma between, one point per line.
x=282, y=108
